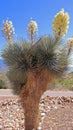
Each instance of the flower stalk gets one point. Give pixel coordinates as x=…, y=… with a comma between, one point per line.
x=8, y=30
x=60, y=24
x=32, y=30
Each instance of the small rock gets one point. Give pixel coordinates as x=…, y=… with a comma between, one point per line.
x=55, y=107
x=39, y=128
x=43, y=114
x=0, y=127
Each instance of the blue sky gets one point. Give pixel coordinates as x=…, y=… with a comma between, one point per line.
x=43, y=11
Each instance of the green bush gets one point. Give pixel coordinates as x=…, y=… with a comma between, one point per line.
x=65, y=83
x=2, y=84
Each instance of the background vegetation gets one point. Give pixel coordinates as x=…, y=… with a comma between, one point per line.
x=65, y=83
x=3, y=81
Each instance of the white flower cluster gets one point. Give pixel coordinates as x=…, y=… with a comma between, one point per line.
x=60, y=24
x=32, y=27
x=70, y=40
x=8, y=29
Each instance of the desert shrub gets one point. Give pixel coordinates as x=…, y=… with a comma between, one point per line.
x=2, y=84
x=65, y=83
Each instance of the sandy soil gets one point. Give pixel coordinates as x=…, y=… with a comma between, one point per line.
x=56, y=113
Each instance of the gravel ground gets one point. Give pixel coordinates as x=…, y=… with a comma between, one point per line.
x=56, y=113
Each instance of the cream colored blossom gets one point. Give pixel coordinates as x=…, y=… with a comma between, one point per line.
x=70, y=45
x=32, y=26
x=32, y=30
x=8, y=30
x=60, y=24
x=70, y=41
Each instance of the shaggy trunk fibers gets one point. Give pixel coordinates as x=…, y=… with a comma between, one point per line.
x=37, y=84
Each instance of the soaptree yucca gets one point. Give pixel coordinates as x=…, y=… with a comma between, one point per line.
x=31, y=68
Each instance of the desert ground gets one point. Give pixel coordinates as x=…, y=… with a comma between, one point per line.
x=56, y=111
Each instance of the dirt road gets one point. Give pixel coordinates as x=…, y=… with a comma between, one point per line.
x=8, y=92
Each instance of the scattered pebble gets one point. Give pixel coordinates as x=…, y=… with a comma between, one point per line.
x=12, y=115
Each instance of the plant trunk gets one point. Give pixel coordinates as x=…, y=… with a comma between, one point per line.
x=37, y=84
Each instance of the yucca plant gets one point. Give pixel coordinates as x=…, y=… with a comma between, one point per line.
x=31, y=68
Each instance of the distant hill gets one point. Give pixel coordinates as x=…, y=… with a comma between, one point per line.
x=3, y=66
